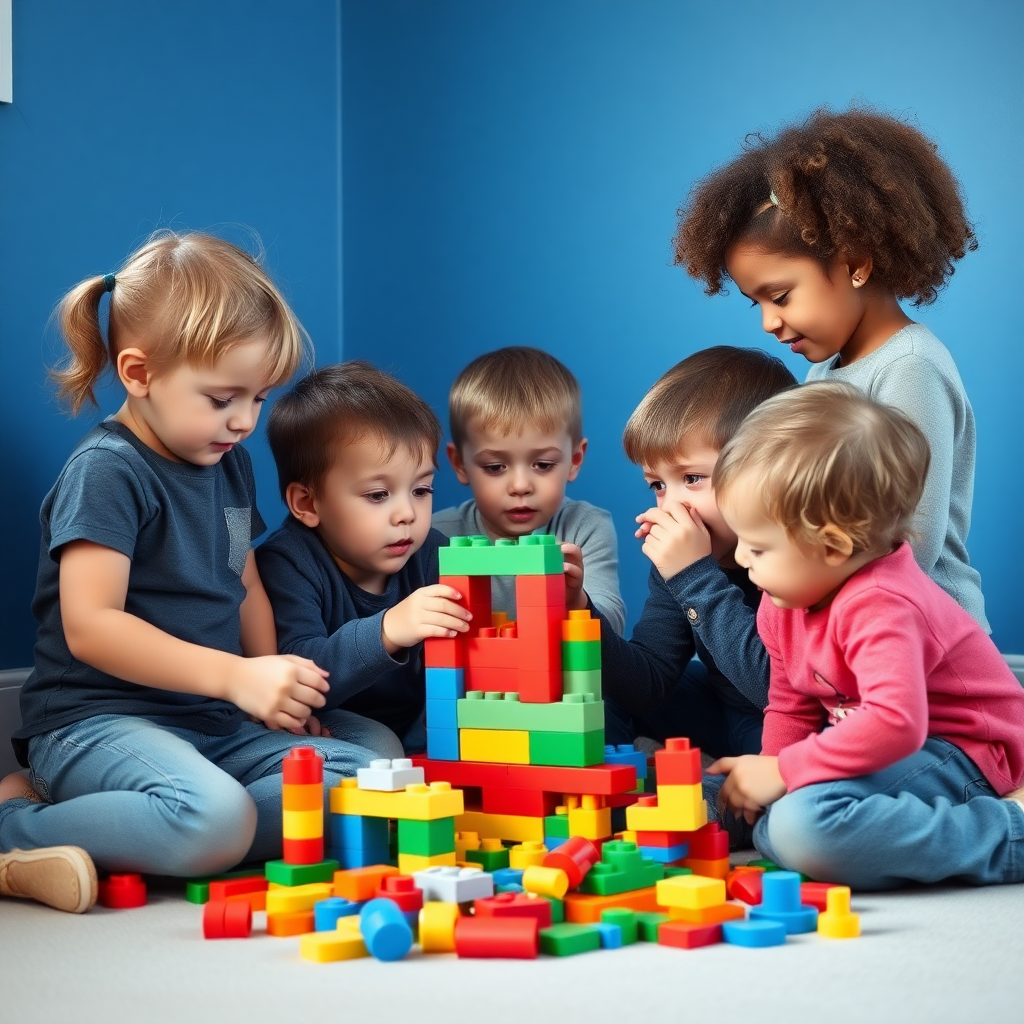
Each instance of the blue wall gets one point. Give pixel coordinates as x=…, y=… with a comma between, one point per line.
x=128, y=117
x=512, y=170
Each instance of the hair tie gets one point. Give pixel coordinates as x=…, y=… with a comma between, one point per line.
x=108, y=282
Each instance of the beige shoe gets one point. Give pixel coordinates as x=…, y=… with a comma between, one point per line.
x=59, y=876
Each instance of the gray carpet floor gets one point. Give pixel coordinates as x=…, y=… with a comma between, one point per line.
x=941, y=955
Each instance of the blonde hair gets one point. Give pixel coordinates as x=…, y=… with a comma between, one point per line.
x=825, y=454
x=701, y=402
x=180, y=298
x=511, y=387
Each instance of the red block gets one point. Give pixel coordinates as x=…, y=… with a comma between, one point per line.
x=597, y=780
x=709, y=842
x=663, y=839
x=515, y=904
x=684, y=935
x=541, y=592
x=227, y=920
x=122, y=892
x=302, y=766
x=532, y=803
x=514, y=938
x=576, y=856
x=401, y=889
x=303, y=851
x=678, y=764
x=744, y=884
x=237, y=887
x=476, y=597
x=815, y=894
x=441, y=653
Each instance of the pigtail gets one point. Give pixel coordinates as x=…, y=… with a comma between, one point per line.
x=89, y=356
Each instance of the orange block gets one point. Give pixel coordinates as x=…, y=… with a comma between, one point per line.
x=707, y=868
x=302, y=798
x=361, y=884
x=583, y=909
x=298, y=923
x=256, y=900
x=706, y=915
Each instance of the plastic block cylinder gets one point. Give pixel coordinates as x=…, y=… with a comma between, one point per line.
x=576, y=856
x=754, y=934
x=227, y=919
x=513, y=938
x=385, y=930
x=780, y=901
x=546, y=881
x=122, y=892
x=327, y=913
x=437, y=927
x=302, y=766
x=837, y=922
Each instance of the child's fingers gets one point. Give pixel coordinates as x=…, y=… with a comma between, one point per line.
x=440, y=590
x=454, y=611
x=722, y=766
x=302, y=699
x=309, y=666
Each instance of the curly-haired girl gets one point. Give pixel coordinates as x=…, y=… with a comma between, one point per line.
x=827, y=226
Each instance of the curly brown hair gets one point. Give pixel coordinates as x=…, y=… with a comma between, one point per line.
x=847, y=185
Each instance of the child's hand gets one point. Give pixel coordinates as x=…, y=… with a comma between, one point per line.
x=575, y=595
x=279, y=689
x=674, y=537
x=754, y=782
x=429, y=611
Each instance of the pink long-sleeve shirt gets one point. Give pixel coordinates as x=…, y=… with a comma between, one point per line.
x=892, y=660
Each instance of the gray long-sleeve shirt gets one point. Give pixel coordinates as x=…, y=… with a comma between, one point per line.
x=914, y=372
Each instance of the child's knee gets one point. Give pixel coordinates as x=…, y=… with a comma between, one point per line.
x=213, y=832
x=801, y=836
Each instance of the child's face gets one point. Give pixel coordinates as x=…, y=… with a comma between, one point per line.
x=196, y=416
x=793, y=575
x=816, y=313
x=373, y=514
x=518, y=481
x=687, y=478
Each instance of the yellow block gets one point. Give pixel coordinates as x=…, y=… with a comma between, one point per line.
x=515, y=827
x=465, y=841
x=546, y=881
x=580, y=627
x=590, y=820
x=410, y=862
x=504, y=746
x=326, y=947
x=296, y=898
x=837, y=922
x=437, y=927
x=679, y=809
x=303, y=824
x=526, y=855
x=419, y=802
x=302, y=798
x=690, y=891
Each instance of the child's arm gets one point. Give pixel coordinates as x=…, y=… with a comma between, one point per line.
x=590, y=550
x=259, y=634
x=428, y=612
x=98, y=631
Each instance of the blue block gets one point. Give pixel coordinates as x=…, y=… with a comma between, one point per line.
x=365, y=857
x=554, y=842
x=509, y=888
x=385, y=930
x=443, y=744
x=611, y=935
x=780, y=901
x=754, y=934
x=665, y=854
x=626, y=753
x=442, y=714
x=327, y=912
x=445, y=683
x=508, y=876
x=353, y=831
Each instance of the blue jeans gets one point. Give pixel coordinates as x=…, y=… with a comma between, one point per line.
x=931, y=817
x=141, y=797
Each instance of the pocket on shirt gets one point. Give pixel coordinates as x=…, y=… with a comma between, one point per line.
x=239, y=522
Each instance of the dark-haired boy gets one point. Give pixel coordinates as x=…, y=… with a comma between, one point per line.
x=352, y=573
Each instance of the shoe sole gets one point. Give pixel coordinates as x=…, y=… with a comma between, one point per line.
x=81, y=863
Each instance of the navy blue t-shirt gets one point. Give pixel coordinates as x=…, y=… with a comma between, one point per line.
x=187, y=530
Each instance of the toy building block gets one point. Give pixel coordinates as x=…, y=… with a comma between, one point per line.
x=302, y=766
x=197, y=890
x=709, y=842
x=280, y=873
x=421, y=802
x=330, y=946
x=546, y=881
x=513, y=938
x=534, y=803
x=385, y=930
x=445, y=683
x=122, y=892
x=580, y=626
x=223, y=919
x=284, y=926
x=837, y=922
x=303, y=851
x=297, y=898
x=302, y=798
x=442, y=714
x=533, y=555
x=624, y=920
x=546, y=592
x=410, y=863
x=525, y=854
x=443, y=744
x=600, y=780
x=575, y=712
x=454, y=885
x=349, y=858
x=581, y=655
x=513, y=827
x=569, y=939
x=764, y=864
x=576, y=856
x=815, y=894
x=327, y=912
x=571, y=749
x=360, y=884
x=304, y=824
x=490, y=855
x=234, y=887
x=389, y=776
x=584, y=908
x=691, y=892
x=717, y=914
x=356, y=832
x=588, y=681
x=402, y=891
x=754, y=934
x=710, y=868
x=626, y=753
x=676, y=808
x=622, y=868
x=426, y=838
x=744, y=883
x=466, y=841
x=508, y=879
x=647, y=925
x=684, y=935
x=557, y=824
x=507, y=746
x=666, y=854
x=437, y=927
x=443, y=653
x=588, y=818
x=678, y=764
x=674, y=870
x=780, y=901
x=476, y=597
x=521, y=904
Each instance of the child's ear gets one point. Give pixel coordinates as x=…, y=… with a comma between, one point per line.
x=837, y=543
x=860, y=271
x=577, y=459
x=301, y=503
x=134, y=371
x=455, y=458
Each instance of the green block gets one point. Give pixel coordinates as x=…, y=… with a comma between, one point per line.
x=569, y=939
x=577, y=712
x=533, y=555
x=567, y=749
x=557, y=909
x=197, y=890
x=647, y=925
x=582, y=682
x=489, y=860
x=622, y=868
x=625, y=919
x=280, y=873
x=671, y=872
x=768, y=865
x=557, y=826
x=426, y=838
x=581, y=655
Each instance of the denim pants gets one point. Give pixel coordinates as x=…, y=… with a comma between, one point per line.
x=931, y=817
x=148, y=798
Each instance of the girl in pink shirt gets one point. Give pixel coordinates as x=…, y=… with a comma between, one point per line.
x=893, y=746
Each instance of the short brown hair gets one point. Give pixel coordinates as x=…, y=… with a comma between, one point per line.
x=702, y=401
x=339, y=405
x=825, y=453
x=511, y=387
x=847, y=185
